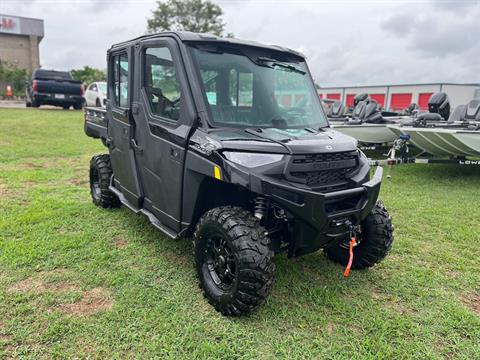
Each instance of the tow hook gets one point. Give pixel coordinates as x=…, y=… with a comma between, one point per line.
x=353, y=242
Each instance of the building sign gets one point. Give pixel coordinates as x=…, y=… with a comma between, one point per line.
x=9, y=24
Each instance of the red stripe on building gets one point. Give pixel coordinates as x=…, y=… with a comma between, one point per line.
x=423, y=100
x=333, y=96
x=379, y=98
x=350, y=99
x=400, y=101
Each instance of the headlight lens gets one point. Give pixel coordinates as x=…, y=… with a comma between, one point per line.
x=252, y=159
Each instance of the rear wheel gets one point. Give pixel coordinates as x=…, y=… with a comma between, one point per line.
x=100, y=175
x=233, y=260
x=97, y=103
x=66, y=107
x=77, y=106
x=35, y=104
x=375, y=241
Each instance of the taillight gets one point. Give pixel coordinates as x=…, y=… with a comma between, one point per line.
x=34, y=85
x=82, y=89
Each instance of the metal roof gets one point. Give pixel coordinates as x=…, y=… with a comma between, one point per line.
x=187, y=36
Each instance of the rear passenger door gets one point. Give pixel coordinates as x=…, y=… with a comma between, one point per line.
x=121, y=126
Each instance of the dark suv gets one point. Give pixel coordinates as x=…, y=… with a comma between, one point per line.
x=226, y=140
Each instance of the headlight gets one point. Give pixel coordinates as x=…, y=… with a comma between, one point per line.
x=252, y=159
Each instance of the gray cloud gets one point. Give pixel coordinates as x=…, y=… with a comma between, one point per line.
x=400, y=24
x=438, y=33
x=346, y=42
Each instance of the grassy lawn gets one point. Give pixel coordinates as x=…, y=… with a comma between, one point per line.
x=79, y=281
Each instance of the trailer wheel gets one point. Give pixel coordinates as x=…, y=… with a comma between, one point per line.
x=233, y=260
x=100, y=174
x=375, y=242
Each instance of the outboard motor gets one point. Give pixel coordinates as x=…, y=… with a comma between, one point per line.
x=336, y=111
x=439, y=104
x=472, y=111
x=360, y=97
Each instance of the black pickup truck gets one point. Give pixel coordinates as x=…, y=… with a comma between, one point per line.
x=57, y=88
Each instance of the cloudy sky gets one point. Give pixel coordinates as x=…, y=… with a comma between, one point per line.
x=346, y=42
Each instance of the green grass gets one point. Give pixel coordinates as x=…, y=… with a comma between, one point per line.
x=78, y=281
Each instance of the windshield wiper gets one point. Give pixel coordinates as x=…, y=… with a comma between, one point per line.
x=271, y=63
x=259, y=132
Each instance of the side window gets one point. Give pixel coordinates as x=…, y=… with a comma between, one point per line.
x=120, y=80
x=241, y=88
x=161, y=84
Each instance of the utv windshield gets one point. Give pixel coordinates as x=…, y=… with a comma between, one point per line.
x=259, y=91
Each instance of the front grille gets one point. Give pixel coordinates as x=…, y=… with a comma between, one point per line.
x=328, y=170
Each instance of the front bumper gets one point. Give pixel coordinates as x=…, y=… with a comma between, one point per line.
x=320, y=218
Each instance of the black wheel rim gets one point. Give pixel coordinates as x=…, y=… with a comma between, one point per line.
x=220, y=261
x=95, y=184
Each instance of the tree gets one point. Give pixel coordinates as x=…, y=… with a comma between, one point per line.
x=13, y=76
x=88, y=75
x=202, y=16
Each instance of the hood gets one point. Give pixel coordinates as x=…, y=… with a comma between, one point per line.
x=294, y=141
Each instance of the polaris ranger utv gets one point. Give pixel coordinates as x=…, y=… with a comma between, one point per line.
x=226, y=140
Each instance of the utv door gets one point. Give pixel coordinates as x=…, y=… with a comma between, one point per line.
x=121, y=127
x=164, y=113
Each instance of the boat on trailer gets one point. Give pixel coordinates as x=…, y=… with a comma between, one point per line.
x=366, y=123
x=459, y=137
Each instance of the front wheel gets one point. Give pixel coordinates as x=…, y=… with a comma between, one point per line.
x=375, y=240
x=233, y=260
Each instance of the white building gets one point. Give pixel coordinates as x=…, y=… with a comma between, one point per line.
x=399, y=97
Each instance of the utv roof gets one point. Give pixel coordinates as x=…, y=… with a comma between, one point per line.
x=186, y=36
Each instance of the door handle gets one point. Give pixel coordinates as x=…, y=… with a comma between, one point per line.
x=174, y=153
x=138, y=150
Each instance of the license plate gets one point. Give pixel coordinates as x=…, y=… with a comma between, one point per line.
x=59, y=96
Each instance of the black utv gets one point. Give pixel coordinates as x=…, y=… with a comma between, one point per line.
x=226, y=141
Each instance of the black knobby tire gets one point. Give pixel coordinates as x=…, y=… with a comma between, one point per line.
x=247, y=278
x=100, y=175
x=375, y=243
